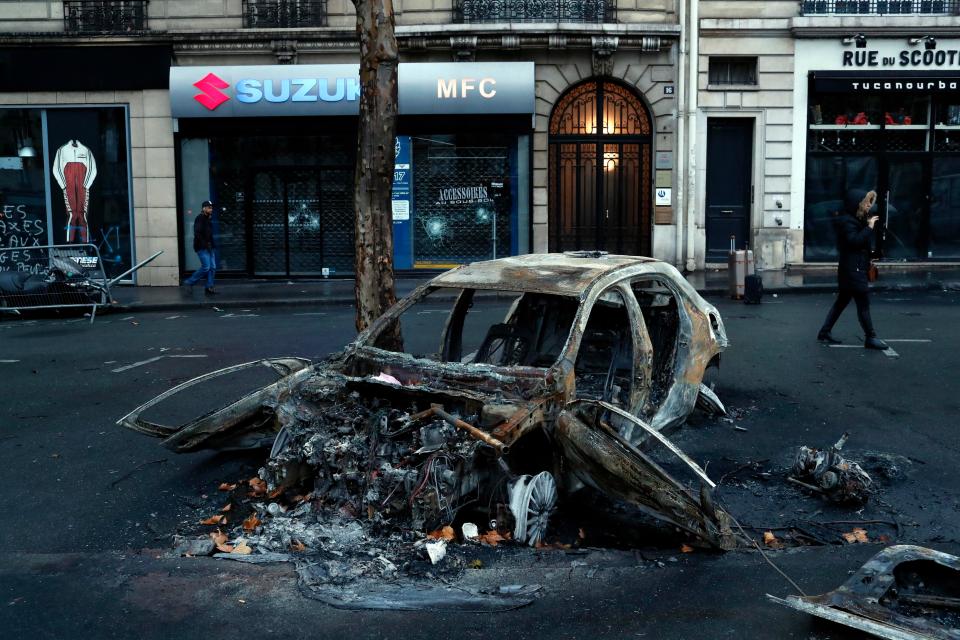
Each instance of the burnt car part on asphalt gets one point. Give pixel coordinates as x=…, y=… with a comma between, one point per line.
x=546, y=373
x=826, y=472
x=904, y=592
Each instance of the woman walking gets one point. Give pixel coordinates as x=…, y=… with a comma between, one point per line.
x=854, y=227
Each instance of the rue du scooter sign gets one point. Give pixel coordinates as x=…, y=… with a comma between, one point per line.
x=892, y=65
x=334, y=89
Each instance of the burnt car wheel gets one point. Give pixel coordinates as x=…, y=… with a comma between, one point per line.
x=532, y=500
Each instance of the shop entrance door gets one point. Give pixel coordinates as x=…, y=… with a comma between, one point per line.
x=296, y=221
x=905, y=207
x=600, y=176
x=729, y=180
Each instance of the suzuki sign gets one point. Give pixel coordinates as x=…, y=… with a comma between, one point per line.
x=334, y=89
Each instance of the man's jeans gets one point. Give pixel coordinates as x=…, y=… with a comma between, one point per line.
x=208, y=267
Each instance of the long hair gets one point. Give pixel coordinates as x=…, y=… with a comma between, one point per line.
x=866, y=204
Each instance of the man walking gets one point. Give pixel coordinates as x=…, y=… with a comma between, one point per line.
x=203, y=245
x=854, y=228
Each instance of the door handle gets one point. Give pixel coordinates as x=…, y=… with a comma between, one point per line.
x=726, y=210
x=607, y=211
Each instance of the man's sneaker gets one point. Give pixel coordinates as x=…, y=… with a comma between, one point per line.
x=873, y=342
x=824, y=336
x=210, y=291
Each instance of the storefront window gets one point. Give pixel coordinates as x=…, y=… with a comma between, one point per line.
x=71, y=186
x=828, y=180
x=90, y=182
x=945, y=208
x=283, y=205
x=467, y=198
x=23, y=204
x=901, y=144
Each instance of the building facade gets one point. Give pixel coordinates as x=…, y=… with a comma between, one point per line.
x=587, y=162
x=800, y=102
x=663, y=128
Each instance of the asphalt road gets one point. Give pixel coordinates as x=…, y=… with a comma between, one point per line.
x=88, y=507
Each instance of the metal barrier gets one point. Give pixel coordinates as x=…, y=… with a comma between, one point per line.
x=56, y=276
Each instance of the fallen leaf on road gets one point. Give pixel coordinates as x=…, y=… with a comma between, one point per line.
x=685, y=548
x=242, y=547
x=226, y=507
x=251, y=523
x=771, y=540
x=296, y=545
x=476, y=564
x=218, y=519
x=226, y=486
x=857, y=535
x=492, y=538
x=258, y=486
x=445, y=533
x=220, y=541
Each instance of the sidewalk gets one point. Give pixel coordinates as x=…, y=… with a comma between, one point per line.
x=712, y=283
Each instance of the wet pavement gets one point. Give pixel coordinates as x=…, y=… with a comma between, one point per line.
x=89, y=507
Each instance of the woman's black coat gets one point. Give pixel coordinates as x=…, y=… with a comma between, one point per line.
x=854, y=239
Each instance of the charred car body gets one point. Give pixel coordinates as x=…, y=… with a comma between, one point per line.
x=550, y=372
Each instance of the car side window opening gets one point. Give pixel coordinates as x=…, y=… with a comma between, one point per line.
x=659, y=307
x=604, y=366
x=501, y=328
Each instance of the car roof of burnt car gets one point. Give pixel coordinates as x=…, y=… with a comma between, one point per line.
x=566, y=274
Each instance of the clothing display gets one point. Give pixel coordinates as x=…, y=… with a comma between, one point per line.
x=75, y=170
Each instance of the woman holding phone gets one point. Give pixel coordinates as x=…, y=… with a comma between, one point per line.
x=854, y=227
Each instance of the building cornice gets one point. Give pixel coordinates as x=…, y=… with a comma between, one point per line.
x=830, y=26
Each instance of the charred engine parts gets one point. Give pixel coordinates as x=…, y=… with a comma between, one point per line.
x=904, y=592
x=828, y=473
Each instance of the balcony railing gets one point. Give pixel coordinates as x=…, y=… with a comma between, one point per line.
x=105, y=16
x=595, y=11
x=284, y=14
x=879, y=7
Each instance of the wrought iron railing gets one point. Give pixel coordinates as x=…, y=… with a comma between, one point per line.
x=284, y=14
x=105, y=16
x=595, y=11
x=879, y=7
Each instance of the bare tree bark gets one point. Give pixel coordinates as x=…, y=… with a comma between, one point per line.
x=373, y=180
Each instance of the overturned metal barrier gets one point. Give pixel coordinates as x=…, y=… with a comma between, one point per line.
x=904, y=592
x=56, y=277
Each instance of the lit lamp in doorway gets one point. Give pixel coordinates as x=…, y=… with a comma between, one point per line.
x=610, y=159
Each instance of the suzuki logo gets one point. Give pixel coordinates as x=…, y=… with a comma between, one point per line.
x=211, y=97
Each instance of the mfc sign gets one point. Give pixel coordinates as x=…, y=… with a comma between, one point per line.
x=316, y=90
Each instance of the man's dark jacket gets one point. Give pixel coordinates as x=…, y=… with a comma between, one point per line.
x=854, y=239
x=202, y=233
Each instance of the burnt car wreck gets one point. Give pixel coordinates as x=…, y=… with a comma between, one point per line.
x=547, y=373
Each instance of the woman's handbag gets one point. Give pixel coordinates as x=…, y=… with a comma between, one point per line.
x=873, y=273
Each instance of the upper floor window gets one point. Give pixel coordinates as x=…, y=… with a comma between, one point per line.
x=879, y=7
x=105, y=16
x=284, y=14
x=597, y=11
x=732, y=70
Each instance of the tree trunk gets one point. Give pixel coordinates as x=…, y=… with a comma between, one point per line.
x=373, y=179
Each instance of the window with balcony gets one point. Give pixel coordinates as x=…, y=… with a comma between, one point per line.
x=879, y=7
x=732, y=70
x=105, y=16
x=590, y=11
x=284, y=14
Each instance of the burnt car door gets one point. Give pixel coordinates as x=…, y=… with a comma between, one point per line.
x=598, y=429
